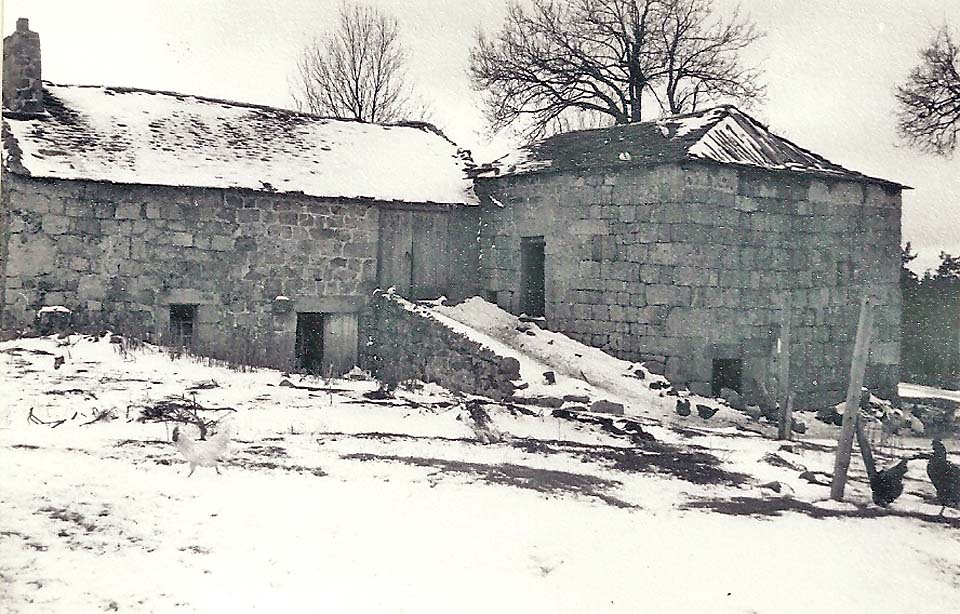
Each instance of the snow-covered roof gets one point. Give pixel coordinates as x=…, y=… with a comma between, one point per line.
x=723, y=135
x=124, y=135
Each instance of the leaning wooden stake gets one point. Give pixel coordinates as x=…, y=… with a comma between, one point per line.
x=851, y=411
x=783, y=376
x=864, y=444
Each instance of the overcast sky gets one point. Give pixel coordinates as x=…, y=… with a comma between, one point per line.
x=831, y=67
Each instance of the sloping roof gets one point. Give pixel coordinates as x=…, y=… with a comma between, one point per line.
x=723, y=135
x=125, y=135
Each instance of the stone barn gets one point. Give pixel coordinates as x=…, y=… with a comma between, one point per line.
x=686, y=242
x=246, y=232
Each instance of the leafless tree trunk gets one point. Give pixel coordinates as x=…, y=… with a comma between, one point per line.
x=928, y=116
x=606, y=58
x=357, y=71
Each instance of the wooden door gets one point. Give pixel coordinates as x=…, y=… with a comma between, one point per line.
x=395, y=252
x=340, y=340
x=430, y=255
x=532, y=276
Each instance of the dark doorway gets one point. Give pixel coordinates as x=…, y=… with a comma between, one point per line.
x=727, y=374
x=327, y=343
x=182, y=321
x=309, y=344
x=532, y=276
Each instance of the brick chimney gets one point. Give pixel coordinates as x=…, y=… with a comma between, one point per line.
x=22, y=89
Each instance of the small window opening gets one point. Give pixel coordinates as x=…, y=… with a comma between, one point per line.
x=182, y=322
x=727, y=374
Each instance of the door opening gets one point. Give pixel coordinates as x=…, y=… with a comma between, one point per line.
x=309, y=343
x=326, y=343
x=727, y=373
x=182, y=321
x=532, y=276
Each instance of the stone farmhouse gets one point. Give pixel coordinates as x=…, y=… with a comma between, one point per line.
x=248, y=232
x=683, y=242
x=261, y=234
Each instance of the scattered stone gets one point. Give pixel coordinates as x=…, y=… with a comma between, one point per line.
x=830, y=415
x=774, y=486
x=778, y=461
x=639, y=374
x=814, y=477
x=797, y=426
x=58, y=362
x=673, y=392
x=657, y=368
x=683, y=407
x=551, y=402
x=576, y=398
x=607, y=407
x=550, y=377
x=657, y=385
x=753, y=411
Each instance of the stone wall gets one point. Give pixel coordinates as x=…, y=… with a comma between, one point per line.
x=404, y=342
x=680, y=265
x=119, y=255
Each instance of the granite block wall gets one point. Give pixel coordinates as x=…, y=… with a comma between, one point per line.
x=404, y=342
x=680, y=265
x=119, y=255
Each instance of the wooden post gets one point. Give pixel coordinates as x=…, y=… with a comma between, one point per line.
x=851, y=411
x=783, y=377
x=865, y=451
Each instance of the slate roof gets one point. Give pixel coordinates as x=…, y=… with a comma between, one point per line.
x=722, y=135
x=125, y=135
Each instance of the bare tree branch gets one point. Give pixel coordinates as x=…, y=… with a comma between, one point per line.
x=928, y=115
x=357, y=71
x=562, y=63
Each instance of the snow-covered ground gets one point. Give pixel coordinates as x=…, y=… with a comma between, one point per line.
x=331, y=501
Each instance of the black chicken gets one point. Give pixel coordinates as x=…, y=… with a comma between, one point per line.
x=887, y=484
x=706, y=412
x=945, y=477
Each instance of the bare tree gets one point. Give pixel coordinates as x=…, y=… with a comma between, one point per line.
x=702, y=56
x=607, y=58
x=357, y=71
x=928, y=114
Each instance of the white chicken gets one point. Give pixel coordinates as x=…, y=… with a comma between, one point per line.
x=203, y=453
